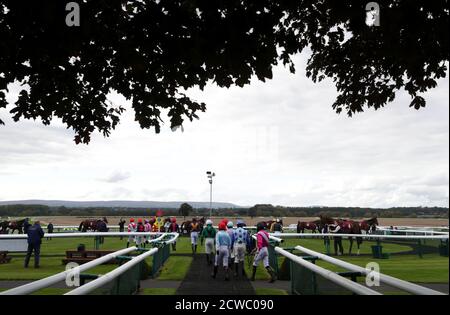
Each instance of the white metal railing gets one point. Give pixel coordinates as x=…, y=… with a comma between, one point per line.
x=406, y=231
x=327, y=274
x=394, y=282
x=372, y=236
x=85, y=234
x=94, y=284
x=46, y=282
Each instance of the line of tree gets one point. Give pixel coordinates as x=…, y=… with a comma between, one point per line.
x=265, y=210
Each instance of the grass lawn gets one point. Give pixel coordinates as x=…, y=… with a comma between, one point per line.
x=269, y=291
x=175, y=268
x=318, y=246
x=158, y=291
x=429, y=269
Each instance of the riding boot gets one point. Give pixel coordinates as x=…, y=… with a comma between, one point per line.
x=243, y=268
x=214, y=273
x=236, y=272
x=192, y=246
x=128, y=244
x=195, y=248
x=273, y=277
x=253, y=274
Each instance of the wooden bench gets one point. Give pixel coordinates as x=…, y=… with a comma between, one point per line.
x=4, y=259
x=81, y=257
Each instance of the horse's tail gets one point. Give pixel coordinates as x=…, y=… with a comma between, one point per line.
x=81, y=226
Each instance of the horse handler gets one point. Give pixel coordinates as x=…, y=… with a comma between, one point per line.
x=223, y=244
x=35, y=235
x=336, y=228
x=262, y=254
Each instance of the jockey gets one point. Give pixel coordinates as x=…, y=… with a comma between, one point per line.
x=230, y=231
x=262, y=254
x=173, y=228
x=209, y=235
x=147, y=228
x=167, y=225
x=223, y=244
x=131, y=228
x=155, y=227
x=140, y=228
x=195, y=228
x=241, y=240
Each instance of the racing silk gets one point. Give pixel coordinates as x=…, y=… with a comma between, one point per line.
x=223, y=239
x=140, y=228
x=132, y=227
x=231, y=234
x=208, y=232
x=240, y=236
x=194, y=227
x=262, y=238
x=147, y=227
x=173, y=227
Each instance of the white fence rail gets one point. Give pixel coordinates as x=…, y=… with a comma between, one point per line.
x=371, y=236
x=327, y=274
x=46, y=282
x=99, y=282
x=87, y=234
x=394, y=282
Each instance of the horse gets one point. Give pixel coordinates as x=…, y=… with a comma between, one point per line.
x=91, y=225
x=313, y=226
x=352, y=227
x=4, y=225
x=369, y=225
x=16, y=225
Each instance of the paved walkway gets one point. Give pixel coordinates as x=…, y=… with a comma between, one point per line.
x=198, y=281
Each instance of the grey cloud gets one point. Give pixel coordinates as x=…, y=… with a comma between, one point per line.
x=116, y=177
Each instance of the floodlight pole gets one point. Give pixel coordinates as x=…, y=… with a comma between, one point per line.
x=210, y=176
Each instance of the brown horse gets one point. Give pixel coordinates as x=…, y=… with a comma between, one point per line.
x=4, y=225
x=91, y=225
x=16, y=225
x=351, y=227
x=313, y=226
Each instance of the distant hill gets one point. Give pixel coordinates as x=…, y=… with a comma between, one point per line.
x=118, y=204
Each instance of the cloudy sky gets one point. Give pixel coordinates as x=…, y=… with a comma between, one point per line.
x=277, y=142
